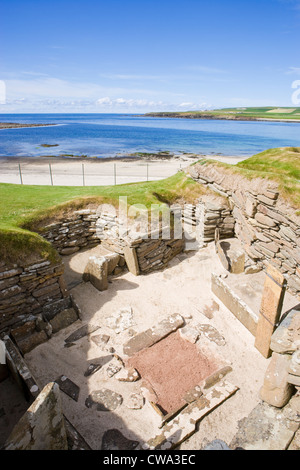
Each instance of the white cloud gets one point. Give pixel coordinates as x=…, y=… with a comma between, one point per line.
x=293, y=70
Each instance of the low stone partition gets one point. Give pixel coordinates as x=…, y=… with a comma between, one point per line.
x=283, y=373
x=267, y=226
x=73, y=233
x=32, y=299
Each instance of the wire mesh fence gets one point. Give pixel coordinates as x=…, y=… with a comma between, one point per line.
x=85, y=174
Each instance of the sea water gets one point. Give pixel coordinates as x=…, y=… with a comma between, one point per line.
x=110, y=135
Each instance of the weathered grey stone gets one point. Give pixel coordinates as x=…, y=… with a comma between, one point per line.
x=113, y=260
x=63, y=319
x=193, y=394
x=114, y=440
x=265, y=428
x=212, y=334
x=127, y=375
x=152, y=335
x=69, y=251
x=100, y=340
x=92, y=369
x=232, y=301
x=96, y=272
x=42, y=427
x=294, y=367
x=217, y=444
x=276, y=390
x=68, y=387
x=121, y=320
x=264, y=220
x=104, y=400
x=19, y=370
x=189, y=334
x=113, y=368
x=284, y=339
x=294, y=380
x=35, y=339
x=232, y=255
x=184, y=425
x=131, y=260
x=135, y=401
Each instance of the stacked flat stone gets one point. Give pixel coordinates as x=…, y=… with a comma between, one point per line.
x=74, y=232
x=265, y=223
x=34, y=304
x=25, y=290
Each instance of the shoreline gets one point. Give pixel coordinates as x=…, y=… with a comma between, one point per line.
x=12, y=125
x=94, y=172
x=221, y=118
x=151, y=158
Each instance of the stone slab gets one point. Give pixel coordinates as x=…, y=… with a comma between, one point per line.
x=104, y=400
x=131, y=260
x=42, y=426
x=234, y=303
x=68, y=387
x=270, y=310
x=19, y=370
x=153, y=335
x=266, y=428
x=284, y=338
x=184, y=425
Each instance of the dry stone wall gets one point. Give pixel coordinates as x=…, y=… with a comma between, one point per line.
x=267, y=226
x=73, y=232
x=33, y=303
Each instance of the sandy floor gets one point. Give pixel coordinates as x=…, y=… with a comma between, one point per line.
x=184, y=288
x=69, y=172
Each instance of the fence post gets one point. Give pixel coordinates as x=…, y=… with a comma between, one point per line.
x=50, y=170
x=83, y=175
x=147, y=171
x=115, y=173
x=20, y=173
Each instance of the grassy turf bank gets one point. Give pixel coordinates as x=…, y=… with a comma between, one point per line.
x=281, y=165
x=24, y=209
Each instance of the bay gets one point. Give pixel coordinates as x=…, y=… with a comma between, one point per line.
x=110, y=135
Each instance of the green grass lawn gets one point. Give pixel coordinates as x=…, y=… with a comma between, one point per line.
x=24, y=209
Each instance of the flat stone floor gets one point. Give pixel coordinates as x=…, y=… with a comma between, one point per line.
x=185, y=288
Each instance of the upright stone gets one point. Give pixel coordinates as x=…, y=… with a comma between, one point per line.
x=131, y=260
x=42, y=427
x=96, y=272
x=276, y=390
x=270, y=310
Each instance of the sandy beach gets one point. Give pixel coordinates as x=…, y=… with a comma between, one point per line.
x=94, y=172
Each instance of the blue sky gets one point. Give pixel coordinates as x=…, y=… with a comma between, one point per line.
x=149, y=55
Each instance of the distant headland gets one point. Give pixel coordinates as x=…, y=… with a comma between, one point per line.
x=279, y=114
